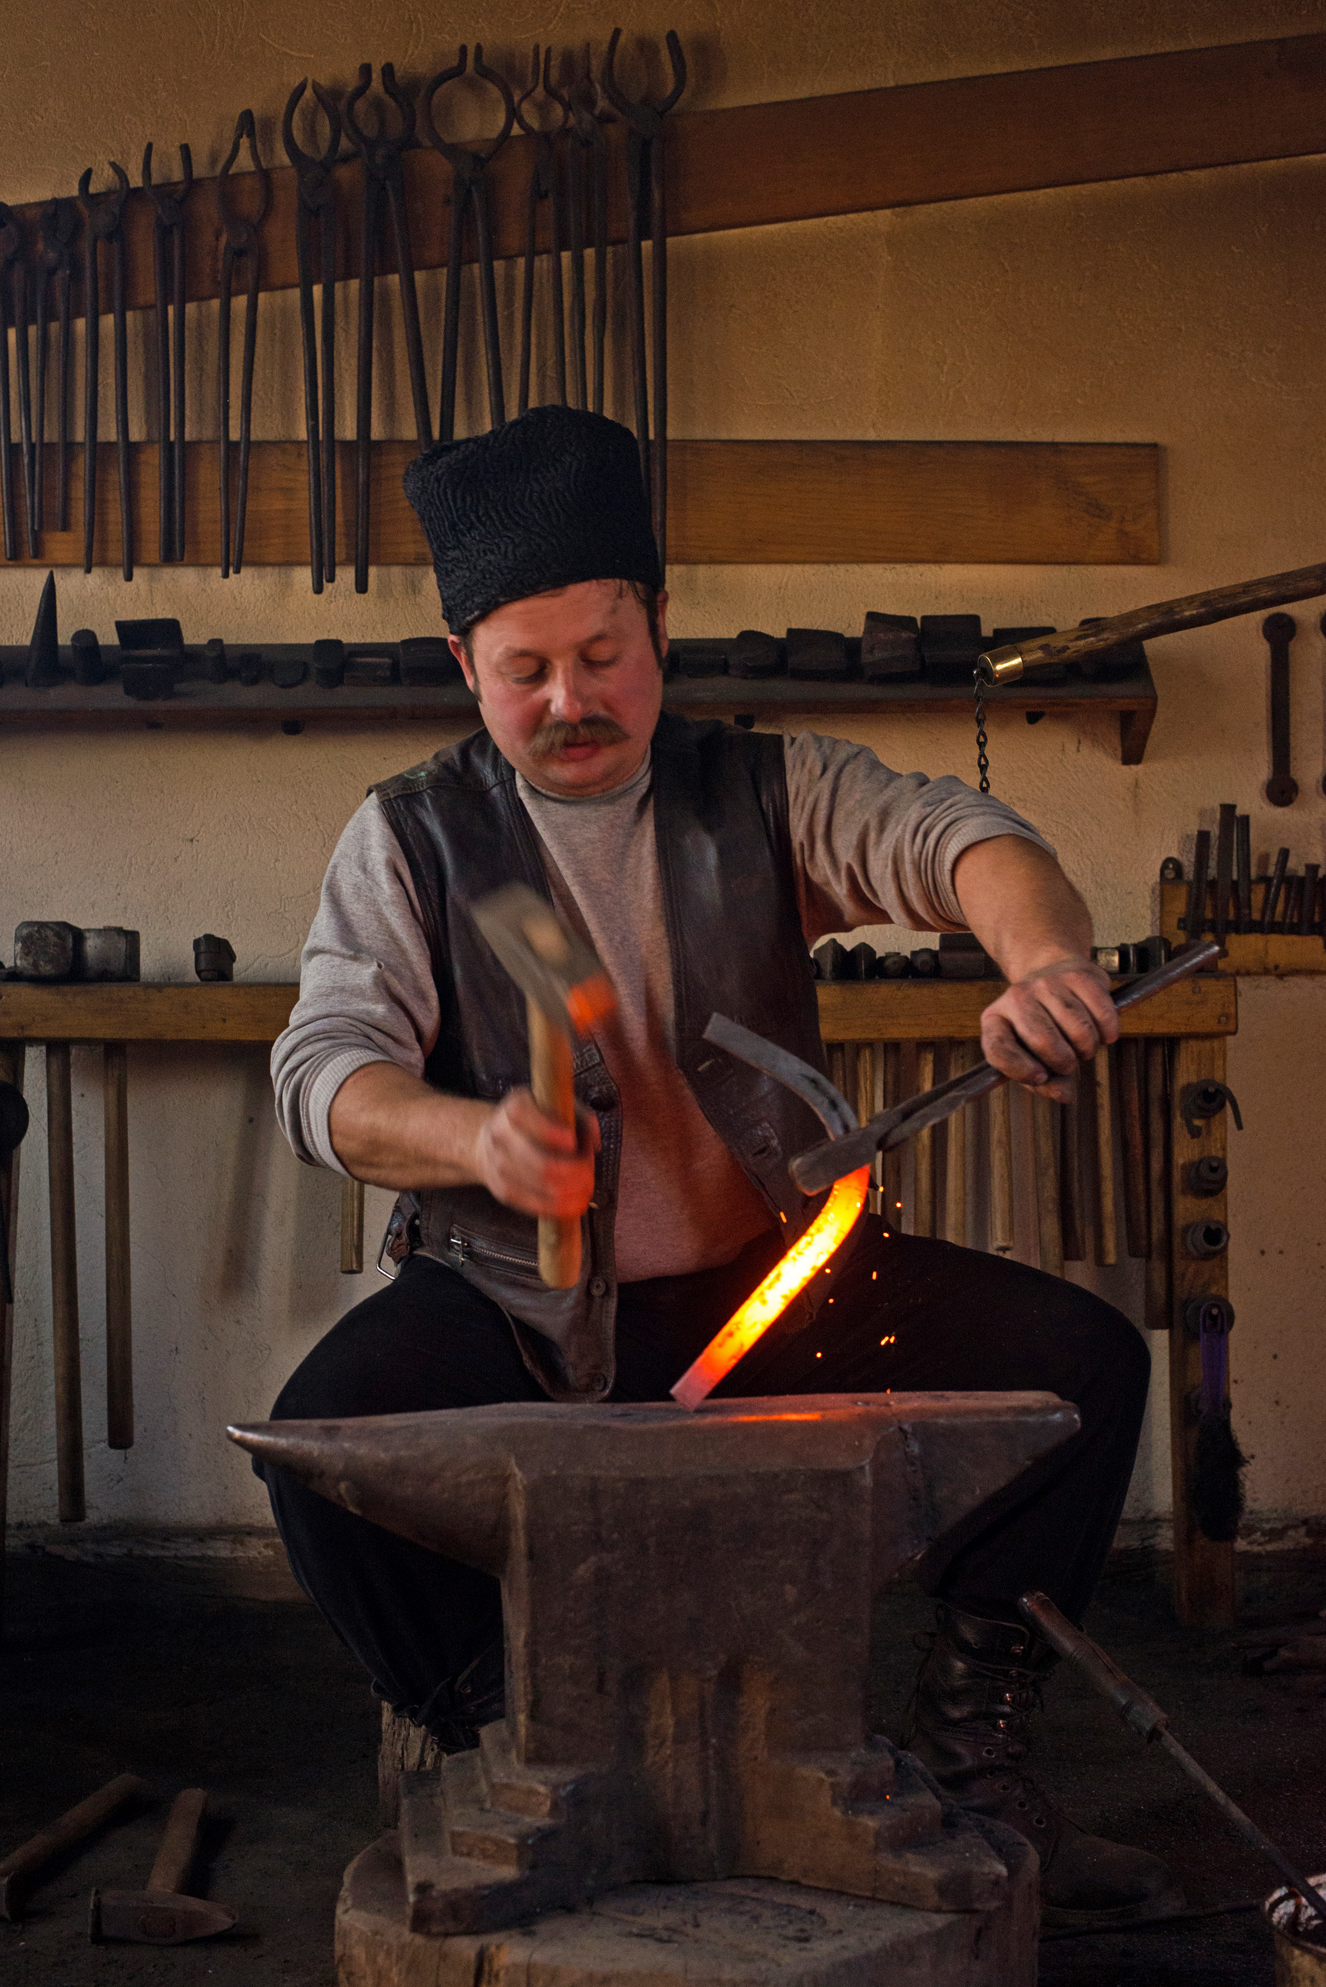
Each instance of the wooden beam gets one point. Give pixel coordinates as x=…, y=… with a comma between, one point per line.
x=729, y=502
x=257, y=1011
x=950, y=1010
x=754, y=164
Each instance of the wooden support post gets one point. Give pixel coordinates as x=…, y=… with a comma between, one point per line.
x=1107, y=1248
x=1001, y=1171
x=864, y=1102
x=1132, y=1145
x=1203, y=1570
x=11, y=1071
x=64, y=1285
x=961, y=1057
x=119, y=1307
x=923, y=1150
x=352, y=1227
x=1072, y=1204
x=1045, y=1143
x=1159, y=1306
x=889, y=1063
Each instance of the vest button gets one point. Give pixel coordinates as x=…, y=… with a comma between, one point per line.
x=598, y=1383
x=597, y=1287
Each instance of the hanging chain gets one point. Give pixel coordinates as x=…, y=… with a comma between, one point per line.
x=982, y=761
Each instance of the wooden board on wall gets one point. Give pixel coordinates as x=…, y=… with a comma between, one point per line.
x=811, y=157
x=758, y=503
x=950, y=1010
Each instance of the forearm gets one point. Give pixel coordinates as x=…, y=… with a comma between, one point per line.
x=392, y=1129
x=1021, y=906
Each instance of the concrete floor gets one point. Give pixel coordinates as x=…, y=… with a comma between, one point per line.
x=216, y=1672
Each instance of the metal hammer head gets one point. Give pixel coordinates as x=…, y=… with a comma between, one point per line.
x=155, y=1917
x=549, y=963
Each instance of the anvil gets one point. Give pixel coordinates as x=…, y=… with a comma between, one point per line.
x=687, y=1601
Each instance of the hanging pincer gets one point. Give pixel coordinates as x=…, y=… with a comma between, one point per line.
x=102, y=217
x=316, y=208
x=240, y=240
x=168, y=275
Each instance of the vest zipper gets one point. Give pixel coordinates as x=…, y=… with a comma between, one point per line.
x=469, y=1249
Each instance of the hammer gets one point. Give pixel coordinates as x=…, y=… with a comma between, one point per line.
x=162, y=1915
x=566, y=991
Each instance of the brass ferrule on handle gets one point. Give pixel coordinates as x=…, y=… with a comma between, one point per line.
x=1141, y=624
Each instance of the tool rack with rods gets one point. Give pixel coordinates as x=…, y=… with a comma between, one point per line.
x=1132, y=1098
x=1179, y=1035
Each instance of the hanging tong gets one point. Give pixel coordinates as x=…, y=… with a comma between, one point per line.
x=543, y=186
x=102, y=217
x=11, y=251
x=9, y=257
x=55, y=232
x=381, y=156
x=168, y=275
x=646, y=187
x=240, y=240
x=316, y=207
x=469, y=189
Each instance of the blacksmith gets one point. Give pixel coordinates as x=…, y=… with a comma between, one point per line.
x=701, y=861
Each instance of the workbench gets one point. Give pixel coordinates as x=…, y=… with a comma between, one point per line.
x=1180, y=1035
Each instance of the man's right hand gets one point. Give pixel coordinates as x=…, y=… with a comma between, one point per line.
x=394, y=1130
x=529, y=1161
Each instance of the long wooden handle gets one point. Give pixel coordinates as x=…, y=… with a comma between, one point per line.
x=1046, y=1159
x=1140, y=624
x=12, y=1057
x=1159, y=1268
x=1071, y=1224
x=923, y=1148
x=1132, y=1138
x=552, y=1081
x=1001, y=1172
x=962, y=1055
x=179, y=1841
x=119, y=1307
x=352, y=1227
x=64, y=1286
x=1107, y=1248
x=18, y=1871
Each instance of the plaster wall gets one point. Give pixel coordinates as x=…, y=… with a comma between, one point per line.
x=1183, y=310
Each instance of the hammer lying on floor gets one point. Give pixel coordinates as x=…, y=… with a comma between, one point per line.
x=162, y=1915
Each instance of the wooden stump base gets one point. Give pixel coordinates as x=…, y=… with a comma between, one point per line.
x=403, y=1748
x=747, y=1932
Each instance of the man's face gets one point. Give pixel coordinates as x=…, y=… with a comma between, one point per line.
x=569, y=683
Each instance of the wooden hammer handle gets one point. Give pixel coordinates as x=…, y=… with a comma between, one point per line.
x=64, y=1286
x=553, y=1084
x=19, y=1871
x=179, y=1841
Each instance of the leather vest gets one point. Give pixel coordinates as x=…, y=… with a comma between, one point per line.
x=736, y=945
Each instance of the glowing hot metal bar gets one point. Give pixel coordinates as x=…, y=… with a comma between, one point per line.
x=814, y=1246
x=789, y=1275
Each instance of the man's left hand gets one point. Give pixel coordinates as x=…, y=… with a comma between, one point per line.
x=1045, y=1024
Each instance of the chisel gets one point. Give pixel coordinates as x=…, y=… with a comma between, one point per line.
x=1224, y=878
x=1273, y=888
x=1194, y=921
x=1243, y=872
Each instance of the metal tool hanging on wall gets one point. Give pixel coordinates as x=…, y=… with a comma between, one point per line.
x=469, y=190
x=168, y=283
x=56, y=230
x=544, y=187
x=647, y=191
x=315, y=207
x=103, y=216
x=11, y=267
x=589, y=147
x=240, y=241
x=380, y=154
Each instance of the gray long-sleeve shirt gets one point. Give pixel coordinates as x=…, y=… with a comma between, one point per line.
x=870, y=846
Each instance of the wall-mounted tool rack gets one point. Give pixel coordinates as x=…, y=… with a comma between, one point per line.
x=198, y=702
x=1277, y=954
x=1180, y=1033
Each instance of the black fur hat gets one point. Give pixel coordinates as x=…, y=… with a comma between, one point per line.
x=549, y=499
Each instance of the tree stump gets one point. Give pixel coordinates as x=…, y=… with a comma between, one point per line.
x=404, y=1748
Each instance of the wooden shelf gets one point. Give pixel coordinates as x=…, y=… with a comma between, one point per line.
x=951, y=1010
x=729, y=502
x=816, y=156
x=1278, y=955
x=878, y=1011
x=197, y=703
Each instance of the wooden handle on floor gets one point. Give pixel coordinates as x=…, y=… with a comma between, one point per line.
x=119, y=1307
x=1001, y=1172
x=64, y=1285
x=1045, y=1143
x=19, y=1871
x=552, y=1079
x=352, y=1227
x=179, y=1841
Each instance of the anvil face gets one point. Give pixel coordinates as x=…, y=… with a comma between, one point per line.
x=637, y=1541
x=687, y=1602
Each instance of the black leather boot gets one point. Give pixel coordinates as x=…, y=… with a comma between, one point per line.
x=969, y=1725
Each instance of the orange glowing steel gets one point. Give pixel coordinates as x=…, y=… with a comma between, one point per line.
x=788, y=1276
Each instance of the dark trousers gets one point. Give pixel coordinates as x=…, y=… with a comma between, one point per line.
x=907, y=1314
